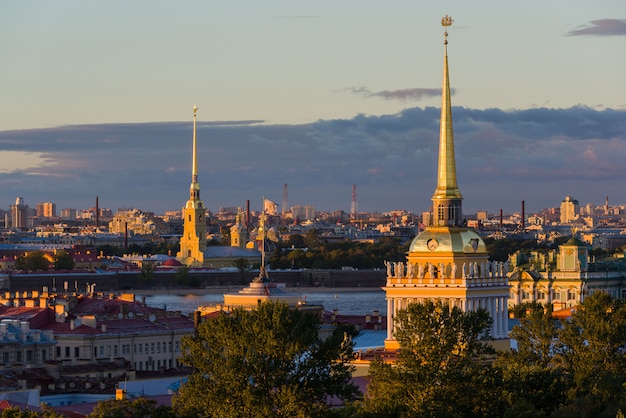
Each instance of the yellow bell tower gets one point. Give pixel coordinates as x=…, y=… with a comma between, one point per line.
x=448, y=260
x=193, y=241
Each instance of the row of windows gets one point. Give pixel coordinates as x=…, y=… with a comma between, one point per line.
x=154, y=364
x=554, y=295
x=106, y=351
x=29, y=356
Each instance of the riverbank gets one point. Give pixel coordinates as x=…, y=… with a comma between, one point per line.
x=217, y=290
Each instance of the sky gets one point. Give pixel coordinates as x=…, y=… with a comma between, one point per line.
x=96, y=99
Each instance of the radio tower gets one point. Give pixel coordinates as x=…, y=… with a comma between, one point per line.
x=284, y=211
x=354, y=209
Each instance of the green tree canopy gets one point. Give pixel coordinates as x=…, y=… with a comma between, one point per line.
x=533, y=382
x=126, y=408
x=440, y=370
x=594, y=340
x=266, y=362
x=63, y=261
x=34, y=260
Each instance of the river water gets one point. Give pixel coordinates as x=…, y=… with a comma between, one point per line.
x=351, y=302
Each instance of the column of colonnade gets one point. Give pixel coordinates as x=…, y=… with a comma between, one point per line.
x=495, y=305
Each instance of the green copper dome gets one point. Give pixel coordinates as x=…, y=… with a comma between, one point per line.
x=447, y=240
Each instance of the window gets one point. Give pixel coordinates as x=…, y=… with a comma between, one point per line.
x=159, y=347
x=29, y=356
x=169, y=346
x=146, y=349
x=18, y=356
x=152, y=348
x=67, y=352
x=77, y=352
x=58, y=351
x=177, y=347
x=44, y=355
x=101, y=348
x=5, y=357
x=115, y=350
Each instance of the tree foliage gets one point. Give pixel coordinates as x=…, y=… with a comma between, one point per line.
x=312, y=252
x=441, y=369
x=63, y=261
x=267, y=362
x=126, y=408
x=594, y=340
x=33, y=261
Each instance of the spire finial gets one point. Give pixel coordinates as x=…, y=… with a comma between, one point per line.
x=445, y=22
x=194, y=162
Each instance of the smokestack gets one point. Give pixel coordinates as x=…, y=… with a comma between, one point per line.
x=523, y=215
x=248, y=215
x=197, y=319
x=97, y=213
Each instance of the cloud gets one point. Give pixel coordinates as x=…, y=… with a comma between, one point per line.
x=601, y=27
x=402, y=95
x=538, y=155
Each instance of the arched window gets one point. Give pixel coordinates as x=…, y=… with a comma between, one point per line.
x=188, y=253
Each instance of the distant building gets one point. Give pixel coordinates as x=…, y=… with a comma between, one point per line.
x=564, y=277
x=46, y=210
x=68, y=214
x=569, y=210
x=19, y=214
x=134, y=221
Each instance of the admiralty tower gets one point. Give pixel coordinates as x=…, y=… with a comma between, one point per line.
x=448, y=261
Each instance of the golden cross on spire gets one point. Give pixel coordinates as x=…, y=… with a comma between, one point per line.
x=445, y=22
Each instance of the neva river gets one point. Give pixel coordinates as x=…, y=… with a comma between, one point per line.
x=351, y=302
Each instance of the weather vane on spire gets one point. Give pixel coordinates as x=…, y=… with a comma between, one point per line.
x=445, y=22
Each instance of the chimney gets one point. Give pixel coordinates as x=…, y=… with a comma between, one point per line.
x=197, y=318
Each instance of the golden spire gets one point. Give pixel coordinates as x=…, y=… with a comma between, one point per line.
x=194, y=189
x=446, y=178
x=447, y=197
x=194, y=166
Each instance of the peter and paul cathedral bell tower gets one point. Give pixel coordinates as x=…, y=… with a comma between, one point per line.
x=448, y=261
x=193, y=241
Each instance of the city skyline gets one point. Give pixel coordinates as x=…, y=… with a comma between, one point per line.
x=538, y=114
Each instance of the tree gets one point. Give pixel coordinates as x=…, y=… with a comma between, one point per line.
x=440, y=370
x=63, y=261
x=32, y=261
x=243, y=266
x=533, y=382
x=266, y=362
x=147, y=272
x=125, y=408
x=594, y=340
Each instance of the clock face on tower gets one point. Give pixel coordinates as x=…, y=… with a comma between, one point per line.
x=432, y=244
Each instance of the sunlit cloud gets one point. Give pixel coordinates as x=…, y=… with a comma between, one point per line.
x=402, y=95
x=22, y=161
x=601, y=27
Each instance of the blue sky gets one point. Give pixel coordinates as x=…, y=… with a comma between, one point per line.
x=97, y=99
